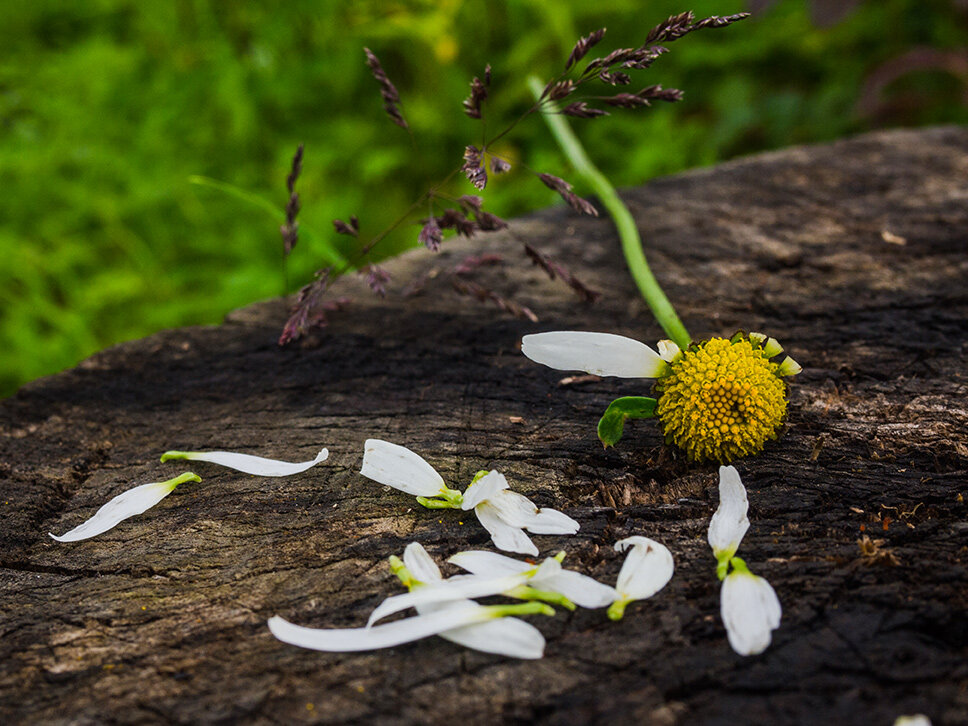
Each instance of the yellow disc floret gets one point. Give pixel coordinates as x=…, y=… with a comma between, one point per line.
x=724, y=399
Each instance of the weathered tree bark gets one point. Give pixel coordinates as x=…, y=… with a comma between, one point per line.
x=852, y=254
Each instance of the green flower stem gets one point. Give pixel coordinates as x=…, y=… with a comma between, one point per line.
x=447, y=499
x=628, y=233
x=434, y=503
x=525, y=608
x=525, y=592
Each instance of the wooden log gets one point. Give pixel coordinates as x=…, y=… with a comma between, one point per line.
x=852, y=254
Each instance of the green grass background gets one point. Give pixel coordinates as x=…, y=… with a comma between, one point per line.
x=108, y=107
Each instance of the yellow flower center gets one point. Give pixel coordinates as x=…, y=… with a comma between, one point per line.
x=724, y=399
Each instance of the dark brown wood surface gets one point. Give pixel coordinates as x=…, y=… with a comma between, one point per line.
x=853, y=254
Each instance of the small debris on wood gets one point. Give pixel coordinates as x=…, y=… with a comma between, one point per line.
x=891, y=238
x=873, y=553
x=817, y=446
x=573, y=380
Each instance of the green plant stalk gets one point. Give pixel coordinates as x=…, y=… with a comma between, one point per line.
x=628, y=233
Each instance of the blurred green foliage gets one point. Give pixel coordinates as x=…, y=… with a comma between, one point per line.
x=108, y=107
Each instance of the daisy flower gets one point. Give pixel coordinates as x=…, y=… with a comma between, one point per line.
x=717, y=400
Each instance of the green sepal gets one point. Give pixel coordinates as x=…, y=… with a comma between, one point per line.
x=739, y=566
x=526, y=608
x=613, y=421
x=616, y=611
x=526, y=592
x=434, y=503
x=172, y=455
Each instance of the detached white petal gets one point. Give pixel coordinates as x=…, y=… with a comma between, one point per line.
x=484, y=488
x=246, y=462
x=646, y=570
x=505, y=513
x=603, y=354
x=580, y=589
x=420, y=564
x=489, y=564
x=729, y=524
x=505, y=536
x=551, y=521
x=398, y=467
x=446, y=591
x=127, y=504
x=344, y=640
x=504, y=636
x=515, y=509
x=750, y=610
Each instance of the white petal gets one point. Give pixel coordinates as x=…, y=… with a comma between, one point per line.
x=504, y=536
x=398, y=467
x=551, y=521
x=603, y=354
x=750, y=610
x=483, y=489
x=246, y=462
x=729, y=523
x=344, y=640
x=503, y=636
x=580, y=589
x=446, y=591
x=646, y=570
x=489, y=564
x=515, y=509
x=668, y=350
x=420, y=564
x=127, y=504
x=519, y=511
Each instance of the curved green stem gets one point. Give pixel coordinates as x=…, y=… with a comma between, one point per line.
x=628, y=233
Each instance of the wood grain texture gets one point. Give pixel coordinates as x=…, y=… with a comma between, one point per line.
x=163, y=618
